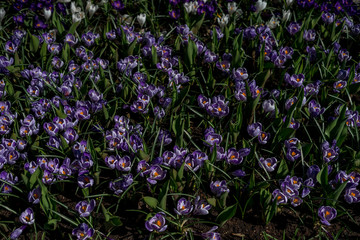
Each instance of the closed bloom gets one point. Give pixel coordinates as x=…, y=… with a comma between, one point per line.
x=156, y=223
x=17, y=232
x=218, y=187
x=141, y=18
x=27, y=217
x=315, y=109
x=269, y=105
x=184, y=207
x=83, y=231
x=254, y=129
x=309, y=35
x=293, y=28
x=326, y=214
x=260, y=5
x=84, y=208
x=286, y=15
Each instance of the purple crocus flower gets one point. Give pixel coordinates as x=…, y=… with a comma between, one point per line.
x=157, y=223
x=34, y=196
x=296, y=201
x=143, y=168
x=11, y=47
x=330, y=153
x=17, y=232
x=293, y=28
x=38, y=23
x=309, y=35
x=183, y=207
x=174, y=14
x=263, y=137
x=156, y=174
x=121, y=184
x=83, y=231
x=292, y=142
x=89, y=38
x=315, y=109
x=27, y=217
x=269, y=163
x=201, y=207
x=85, y=181
x=211, y=235
x=123, y=164
x=295, y=80
x=218, y=187
x=328, y=17
x=254, y=129
x=279, y=197
x=344, y=55
x=326, y=214
x=293, y=154
x=352, y=195
x=210, y=57
x=84, y=208
x=240, y=74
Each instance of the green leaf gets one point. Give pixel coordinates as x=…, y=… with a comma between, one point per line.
x=336, y=194
x=34, y=43
x=152, y=202
x=226, y=214
x=322, y=176
x=163, y=195
x=34, y=177
x=105, y=212
x=283, y=169
x=198, y=24
x=115, y=220
x=73, y=27
x=212, y=201
x=154, y=55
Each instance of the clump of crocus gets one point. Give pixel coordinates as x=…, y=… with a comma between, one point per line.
x=326, y=214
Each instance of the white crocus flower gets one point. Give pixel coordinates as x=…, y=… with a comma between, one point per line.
x=126, y=19
x=289, y=2
x=91, y=8
x=2, y=14
x=189, y=7
x=232, y=7
x=47, y=13
x=77, y=17
x=141, y=18
x=273, y=23
x=260, y=5
x=74, y=9
x=286, y=15
x=223, y=21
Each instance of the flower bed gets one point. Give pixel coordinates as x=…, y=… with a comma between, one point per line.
x=179, y=119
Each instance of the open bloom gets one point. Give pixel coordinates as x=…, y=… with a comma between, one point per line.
x=184, y=207
x=156, y=223
x=27, y=217
x=269, y=163
x=201, y=207
x=83, y=231
x=326, y=213
x=84, y=208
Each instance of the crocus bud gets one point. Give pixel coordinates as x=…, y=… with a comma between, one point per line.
x=141, y=18
x=47, y=13
x=260, y=5
x=289, y=2
x=2, y=14
x=189, y=7
x=91, y=8
x=286, y=15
